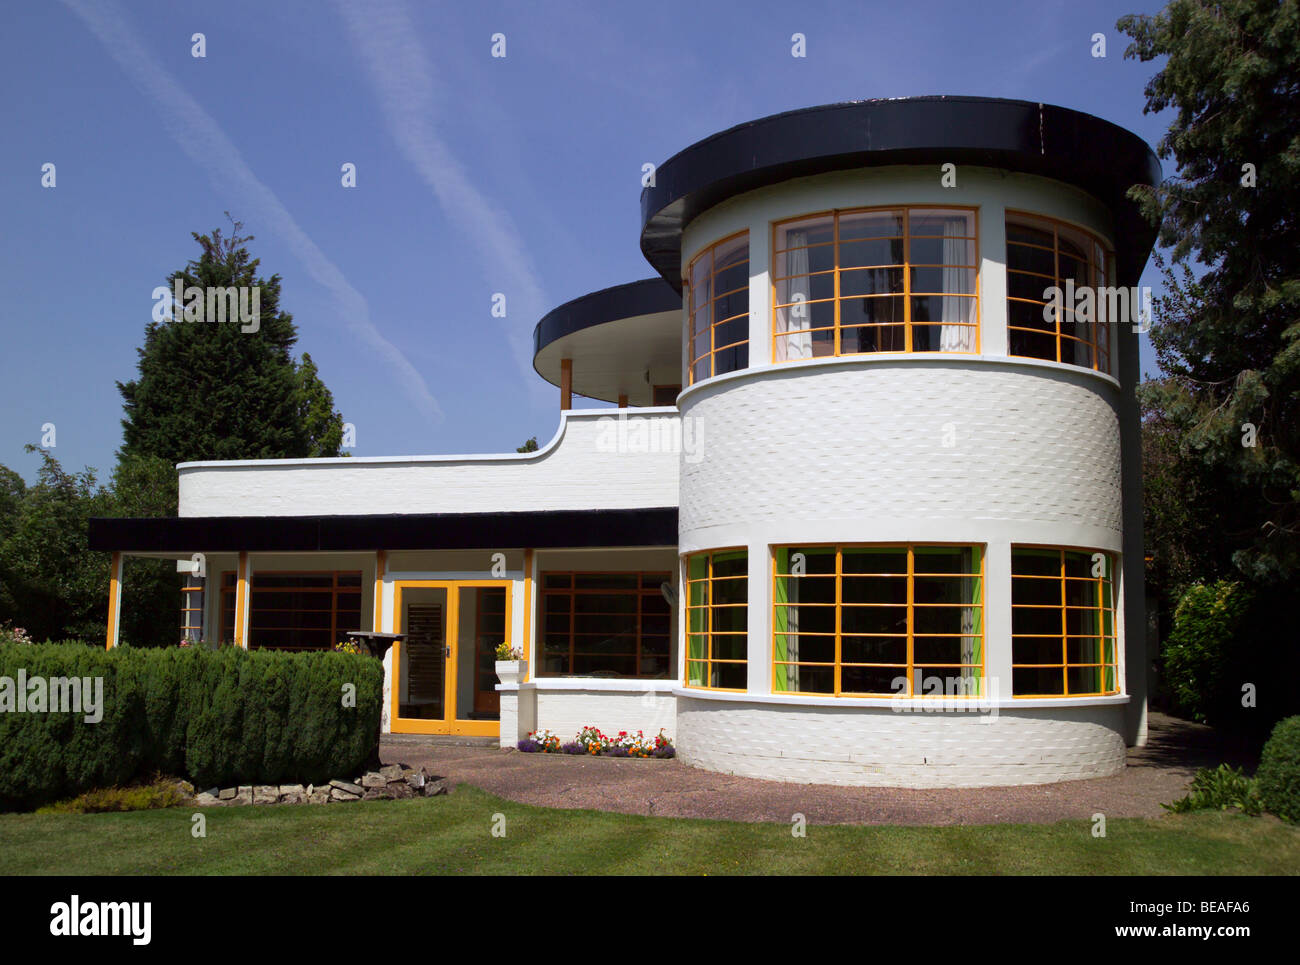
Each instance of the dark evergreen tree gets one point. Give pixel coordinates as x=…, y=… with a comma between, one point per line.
x=219, y=390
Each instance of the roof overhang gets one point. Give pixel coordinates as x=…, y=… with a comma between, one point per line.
x=537, y=530
x=624, y=340
x=1094, y=155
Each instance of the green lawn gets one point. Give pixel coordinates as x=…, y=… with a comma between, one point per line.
x=450, y=835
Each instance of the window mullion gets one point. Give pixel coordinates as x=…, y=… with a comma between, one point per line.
x=1065, y=632
x=907, y=282
x=911, y=619
x=839, y=616
x=835, y=274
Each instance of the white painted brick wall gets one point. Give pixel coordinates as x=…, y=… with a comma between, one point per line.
x=590, y=464
x=879, y=747
x=565, y=712
x=864, y=443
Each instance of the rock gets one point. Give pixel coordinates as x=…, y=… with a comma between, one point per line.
x=338, y=794
x=391, y=772
x=400, y=790
x=434, y=788
x=244, y=795
x=227, y=793
x=319, y=795
x=355, y=790
x=373, y=779
x=266, y=794
x=377, y=794
x=417, y=779
x=186, y=788
x=292, y=793
x=207, y=799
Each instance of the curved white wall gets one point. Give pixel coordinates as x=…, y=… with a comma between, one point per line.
x=919, y=448
x=881, y=747
x=983, y=449
x=599, y=459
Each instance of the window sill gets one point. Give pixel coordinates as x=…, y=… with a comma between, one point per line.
x=910, y=704
x=623, y=684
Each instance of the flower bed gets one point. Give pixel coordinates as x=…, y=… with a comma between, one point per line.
x=591, y=742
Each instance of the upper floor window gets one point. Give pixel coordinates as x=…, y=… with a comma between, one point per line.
x=1043, y=254
x=875, y=280
x=717, y=300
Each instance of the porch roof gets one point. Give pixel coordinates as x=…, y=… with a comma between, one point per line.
x=541, y=529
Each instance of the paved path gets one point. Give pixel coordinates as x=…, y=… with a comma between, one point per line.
x=1156, y=773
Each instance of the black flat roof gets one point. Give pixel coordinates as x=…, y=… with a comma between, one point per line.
x=1069, y=146
x=548, y=529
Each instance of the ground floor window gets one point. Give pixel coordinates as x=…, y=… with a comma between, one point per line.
x=717, y=623
x=605, y=624
x=1062, y=623
x=295, y=611
x=878, y=620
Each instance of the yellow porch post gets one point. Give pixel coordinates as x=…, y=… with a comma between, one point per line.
x=114, y=600
x=241, y=602
x=381, y=564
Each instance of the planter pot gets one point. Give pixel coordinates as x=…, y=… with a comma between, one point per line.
x=510, y=671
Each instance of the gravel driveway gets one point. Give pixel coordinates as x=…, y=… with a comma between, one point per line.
x=1156, y=773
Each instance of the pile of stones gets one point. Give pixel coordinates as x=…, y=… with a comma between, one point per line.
x=391, y=782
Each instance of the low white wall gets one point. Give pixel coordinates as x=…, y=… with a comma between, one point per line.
x=599, y=459
x=612, y=706
x=880, y=747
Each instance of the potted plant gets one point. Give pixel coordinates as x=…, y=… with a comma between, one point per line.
x=510, y=664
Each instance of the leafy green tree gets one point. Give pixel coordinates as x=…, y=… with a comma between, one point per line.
x=1227, y=331
x=144, y=486
x=209, y=390
x=50, y=584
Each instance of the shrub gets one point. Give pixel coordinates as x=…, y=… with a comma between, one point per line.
x=224, y=716
x=1278, y=776
x=1202, y=657
x=160, y=793
x=1219, y=789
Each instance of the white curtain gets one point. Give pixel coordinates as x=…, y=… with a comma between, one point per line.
x=796, y=318
x=952, y=336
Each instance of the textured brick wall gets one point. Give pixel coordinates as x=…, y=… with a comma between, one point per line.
x=880, y=441
x=879, y=747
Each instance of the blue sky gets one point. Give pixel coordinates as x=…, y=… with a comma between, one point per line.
x=475, y=175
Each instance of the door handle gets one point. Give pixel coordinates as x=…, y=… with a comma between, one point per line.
x=446, y=652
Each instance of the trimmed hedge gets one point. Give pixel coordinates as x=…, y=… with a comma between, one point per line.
x=218, y=717
x=1278, y=778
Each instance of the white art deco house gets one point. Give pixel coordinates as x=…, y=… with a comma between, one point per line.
x=868, y=511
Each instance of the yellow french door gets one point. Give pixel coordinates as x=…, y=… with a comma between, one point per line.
x=451, y=630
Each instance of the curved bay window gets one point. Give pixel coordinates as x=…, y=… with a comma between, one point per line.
x=717, y=622
x=875, y=280
x=1062, y=623
x=716, y=293
x=881, y=621
x=1043, y=254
